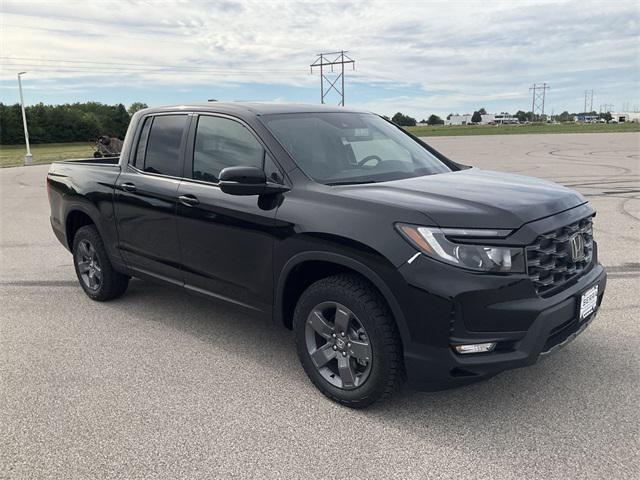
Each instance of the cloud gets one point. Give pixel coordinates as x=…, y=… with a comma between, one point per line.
x=423, y=57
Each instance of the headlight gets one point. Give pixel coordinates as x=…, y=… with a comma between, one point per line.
x=485, y=258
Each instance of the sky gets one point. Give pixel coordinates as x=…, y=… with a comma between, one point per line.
x=417, y=57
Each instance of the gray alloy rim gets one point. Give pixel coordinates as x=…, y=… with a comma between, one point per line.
x=338, y=345
x=89, y=266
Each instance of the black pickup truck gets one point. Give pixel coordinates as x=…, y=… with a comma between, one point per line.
x=388, y=260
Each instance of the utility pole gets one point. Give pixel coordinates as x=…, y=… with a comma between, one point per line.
x=28, y=158
x=538, y=98
x=329, y=60
x=607, y=107
x=588, y=99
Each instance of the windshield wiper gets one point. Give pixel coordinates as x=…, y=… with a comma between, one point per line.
x=354, y=182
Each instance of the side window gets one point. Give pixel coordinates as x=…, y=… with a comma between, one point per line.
x=138, y=160
x=271, y=171
x=222, y=143
x=163, y=146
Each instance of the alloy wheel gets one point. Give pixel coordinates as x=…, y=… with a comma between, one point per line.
x=338, y=345
x=89, y=267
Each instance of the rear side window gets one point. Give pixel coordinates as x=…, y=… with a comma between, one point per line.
x=163, y=146
x=222, y=143
x=138, y=161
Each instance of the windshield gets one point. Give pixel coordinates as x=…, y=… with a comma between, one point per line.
x=344, y=148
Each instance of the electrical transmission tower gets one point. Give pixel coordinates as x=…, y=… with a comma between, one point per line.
x=326, y=83
x=538, y=98
x=588, y=100
x=606, y=107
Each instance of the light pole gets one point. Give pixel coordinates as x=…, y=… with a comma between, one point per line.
x=28, y=157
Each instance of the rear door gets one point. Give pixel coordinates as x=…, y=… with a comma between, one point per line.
x=226, y=240
x=146, y=197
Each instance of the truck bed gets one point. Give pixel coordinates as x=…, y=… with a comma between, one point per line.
x=84, y=185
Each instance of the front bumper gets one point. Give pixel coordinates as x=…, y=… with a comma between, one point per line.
x=464, y=310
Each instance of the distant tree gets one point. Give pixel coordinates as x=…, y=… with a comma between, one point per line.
x=476, y=117
x=75, y=122
x=449, y=116
x=135, y=106
x=606, y=116
x=564, y=117
x=482, y=111
x=119, y=122
x=435, y=120
x=524, y=116
x=403, y=120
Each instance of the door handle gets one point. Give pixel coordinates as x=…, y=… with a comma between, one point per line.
x=129, y=187
x=189, y=200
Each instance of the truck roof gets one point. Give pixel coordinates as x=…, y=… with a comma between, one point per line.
x=256, y=108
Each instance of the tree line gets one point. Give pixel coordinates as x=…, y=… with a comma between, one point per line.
x=71, y=122
x=407, y=121
x=81, y=122
x=522, y=116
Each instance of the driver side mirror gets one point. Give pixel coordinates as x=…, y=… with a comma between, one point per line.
x=247, y=181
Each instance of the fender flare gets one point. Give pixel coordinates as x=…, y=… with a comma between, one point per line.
x=79, y=207
x=352, y=264
x=90, y=211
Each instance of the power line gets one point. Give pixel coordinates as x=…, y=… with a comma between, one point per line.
x=325, y=60
x=45, y=62
x=99, y=70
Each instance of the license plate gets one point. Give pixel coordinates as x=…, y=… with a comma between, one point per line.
x=588, y=302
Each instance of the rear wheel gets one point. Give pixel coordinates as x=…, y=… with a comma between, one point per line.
x=347, y=341
x=95, y=273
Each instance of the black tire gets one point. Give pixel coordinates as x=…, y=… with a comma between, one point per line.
x=367, y=309
x=90, y=256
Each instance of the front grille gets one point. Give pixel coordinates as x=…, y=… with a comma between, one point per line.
x=550, y=261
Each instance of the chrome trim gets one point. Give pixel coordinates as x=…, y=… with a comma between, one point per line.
x=413, y=258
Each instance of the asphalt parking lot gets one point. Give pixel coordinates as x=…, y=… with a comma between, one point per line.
x=162, y=384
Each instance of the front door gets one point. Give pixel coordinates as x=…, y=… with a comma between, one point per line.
x=146, y=198
x=226, y=240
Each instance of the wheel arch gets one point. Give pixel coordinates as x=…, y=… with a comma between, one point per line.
x=325, y=264
x=75, y=219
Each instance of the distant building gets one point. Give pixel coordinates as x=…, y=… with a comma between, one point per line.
x=487, y=119
x=623, y=117
x=501, y=118
x=458, y=119
x=586, y=118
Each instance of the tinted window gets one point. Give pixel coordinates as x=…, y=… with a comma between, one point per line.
x=142, y=143
x=271, y=171
x=163, y=146
x=222, y=143
x=335, y=148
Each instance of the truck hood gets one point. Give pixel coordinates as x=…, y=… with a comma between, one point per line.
x=473, y=198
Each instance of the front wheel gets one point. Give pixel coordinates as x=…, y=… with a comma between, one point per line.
x=347, y=341
x=96, y=275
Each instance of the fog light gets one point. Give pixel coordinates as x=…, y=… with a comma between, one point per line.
x=475, y=347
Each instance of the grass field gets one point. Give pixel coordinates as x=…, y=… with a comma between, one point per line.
x=13, y=155
x=454, y=130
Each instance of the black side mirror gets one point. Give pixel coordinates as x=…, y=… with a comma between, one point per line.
x=247, y=181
